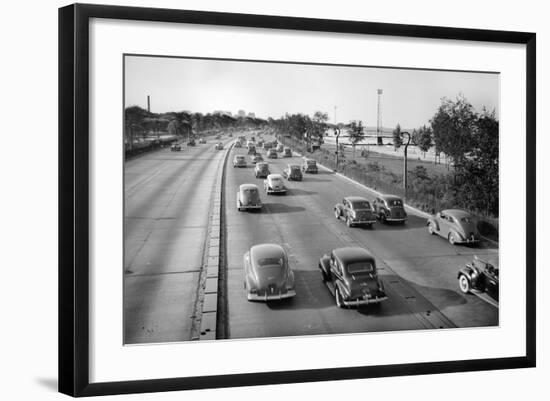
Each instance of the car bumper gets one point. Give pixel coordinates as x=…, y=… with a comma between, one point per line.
x=271, y=297
x=239, y=165
x=372, y=221
x=276, y=191
x=396, y=219
x=310, y=171
x=364, y=301
x=251, y=206
x=467, y=241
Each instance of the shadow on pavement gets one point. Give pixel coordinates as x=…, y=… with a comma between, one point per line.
x=314, y=179
x=273, y=208
x=299, y=192
x=411, y=223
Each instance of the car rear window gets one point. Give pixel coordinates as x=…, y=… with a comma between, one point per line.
x=311, y=162
x=250, y=191
x=361, y=205
x=240, y=157
x=360, y=267
x=395, y=202
x=294, y=168
x=263, y=262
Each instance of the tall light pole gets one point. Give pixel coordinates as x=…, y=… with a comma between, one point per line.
x=379, y=119
x=405, y=161
x=337, y=131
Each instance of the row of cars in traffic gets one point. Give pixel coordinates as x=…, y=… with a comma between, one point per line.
x=349, y=273
x=176, y=147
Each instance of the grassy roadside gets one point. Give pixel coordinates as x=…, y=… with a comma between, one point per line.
x=428, y=184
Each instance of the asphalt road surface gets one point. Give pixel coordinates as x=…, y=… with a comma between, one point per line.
x=419, y=271
x=167, y=203
x=168, y=199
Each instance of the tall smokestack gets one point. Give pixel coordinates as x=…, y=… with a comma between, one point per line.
x=148, y=103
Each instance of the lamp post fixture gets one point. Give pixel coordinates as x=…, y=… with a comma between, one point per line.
x=405, y=161
x=338, y=132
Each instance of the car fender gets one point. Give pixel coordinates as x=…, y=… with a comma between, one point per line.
x=457, y=234
x=465, y=271
x=434, y=222
x=339, y=207
x=324, y=264
x=344, y=290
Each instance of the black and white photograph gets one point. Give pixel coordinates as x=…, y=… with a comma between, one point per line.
x=282, y=199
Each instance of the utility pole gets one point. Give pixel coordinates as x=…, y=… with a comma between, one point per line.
x=337, y=131
x=379, y=119
x=405, y=161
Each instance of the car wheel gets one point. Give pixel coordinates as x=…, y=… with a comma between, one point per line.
x=336, y=214
x=464, y=284
x=452, y=239
x=431, y=229
x=338, y=297
x=348, y=222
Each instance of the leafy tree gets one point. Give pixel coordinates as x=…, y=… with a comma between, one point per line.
x=397, y=139
x=319, y=125
x=453, y=126
x=356, y=133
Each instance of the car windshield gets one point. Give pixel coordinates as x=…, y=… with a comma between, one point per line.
x=311, y=162
x=360, y=267
x=466, y=219
x=240, y=158
x=275, y=180
x=264, y=262
x=250, y=191
x=361, y=205
x=295, y=169
x=395, y=202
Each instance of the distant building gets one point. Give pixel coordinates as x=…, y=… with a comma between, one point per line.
x=241, y=113
x=252, y=115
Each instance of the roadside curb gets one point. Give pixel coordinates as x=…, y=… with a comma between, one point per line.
x=209, y=307
x=408, y=207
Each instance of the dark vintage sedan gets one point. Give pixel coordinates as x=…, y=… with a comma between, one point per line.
x=267, y=274
x=389, y=208
x=256, y=158
x=248, y=198
x=309, y=166
x=287, y=152
x=261, y=170
x=219, y=146
x=292, y=172
x=457, y=226
x=191, y=142
x=351, y=276
x=238, y=144
x=271, y=153
x=479, y=275
x=175, y=147
x=355, y=210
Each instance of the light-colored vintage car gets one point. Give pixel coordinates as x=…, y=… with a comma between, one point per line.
x=202, y=141
x=267, y=274
x=274, y=184
x=287, y=152
x=280, y=147
x=261, y=170
x=455, y=225
x=350, y=275
x=239, y=161
x=248, y=197
x=175, y=147
x=219, y=146
x=389, y=208
x=355, y=210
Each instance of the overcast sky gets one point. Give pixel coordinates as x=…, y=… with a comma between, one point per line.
x=410, y=97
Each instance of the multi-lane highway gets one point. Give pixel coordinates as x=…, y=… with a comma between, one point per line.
x=167, y=206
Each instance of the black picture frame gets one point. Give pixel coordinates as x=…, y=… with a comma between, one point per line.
x=74, y=194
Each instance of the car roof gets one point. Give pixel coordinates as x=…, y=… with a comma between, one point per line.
x=352, y=254
x=247, y=186
x=262, y=164
x=293, y=165
x=275, y=176
x=266, y=251
x=388, y=197
x=356, y=198
x=458, y=213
